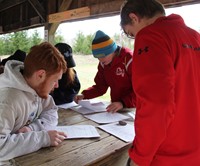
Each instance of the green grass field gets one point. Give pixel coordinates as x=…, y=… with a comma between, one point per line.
x=86, y=68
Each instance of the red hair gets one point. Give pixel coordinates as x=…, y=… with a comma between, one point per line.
x=44, y=56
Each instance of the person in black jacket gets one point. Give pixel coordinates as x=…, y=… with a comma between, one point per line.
x=69, y=85
x=19, y=55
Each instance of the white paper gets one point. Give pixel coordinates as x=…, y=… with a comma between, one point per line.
x=125, y=133
x=83, y=110
x=106, y=117
x=68, y=105
x=90, y=106
x=94, y=106
x=79, y=131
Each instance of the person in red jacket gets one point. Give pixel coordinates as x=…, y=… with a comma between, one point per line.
x=166, y=80
x=114, y=71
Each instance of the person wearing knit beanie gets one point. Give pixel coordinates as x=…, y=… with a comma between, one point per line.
x=102, y=45
x=114, y=72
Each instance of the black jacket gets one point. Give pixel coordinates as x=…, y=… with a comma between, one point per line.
x=65, y=93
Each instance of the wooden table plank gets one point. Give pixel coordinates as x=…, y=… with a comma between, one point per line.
x=104, y=151
x=69, y=117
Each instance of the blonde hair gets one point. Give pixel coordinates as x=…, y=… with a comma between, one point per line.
x=70, y=76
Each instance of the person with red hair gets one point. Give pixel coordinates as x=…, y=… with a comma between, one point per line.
x=28, y=112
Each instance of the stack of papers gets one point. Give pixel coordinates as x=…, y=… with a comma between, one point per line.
x=79, y=131
x=68, y=105
x=95, y=106
x=88, y=107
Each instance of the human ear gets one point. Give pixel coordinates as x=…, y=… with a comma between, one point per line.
x=41, y=74
x=133, y=17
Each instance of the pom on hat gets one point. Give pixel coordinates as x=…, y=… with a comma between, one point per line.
x=102, y=45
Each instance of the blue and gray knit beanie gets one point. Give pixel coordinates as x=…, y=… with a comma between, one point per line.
x=102, y=45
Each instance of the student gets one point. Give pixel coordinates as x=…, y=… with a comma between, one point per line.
x=28, y=112
x=69, y=84
x=166, y=79
x=18, y=55
x=114, y=71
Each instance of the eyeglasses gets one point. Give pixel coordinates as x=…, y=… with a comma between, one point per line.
x=130, y=36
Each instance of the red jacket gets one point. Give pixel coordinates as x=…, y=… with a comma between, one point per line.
x=117, y=76
x=166, y=80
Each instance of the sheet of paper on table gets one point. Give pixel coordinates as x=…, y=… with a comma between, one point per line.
x=90, y=106
x=95, y=106
x=79, y=131
x=125, y=133
x=106, y=117
x=68, y=105
x=83, y=110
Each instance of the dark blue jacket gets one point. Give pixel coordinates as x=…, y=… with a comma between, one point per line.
x=65, y=93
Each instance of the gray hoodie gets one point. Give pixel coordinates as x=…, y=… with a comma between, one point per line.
x=20, y=105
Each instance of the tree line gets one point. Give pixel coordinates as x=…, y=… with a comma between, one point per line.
x=9, y=43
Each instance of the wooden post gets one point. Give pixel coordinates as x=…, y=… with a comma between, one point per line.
x=50, y=28
x=49, y=33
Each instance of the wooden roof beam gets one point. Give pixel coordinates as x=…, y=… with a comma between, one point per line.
x=10, y=3
x=176, y=3
x=39, y=9
x=51, y=28
x=110, y=8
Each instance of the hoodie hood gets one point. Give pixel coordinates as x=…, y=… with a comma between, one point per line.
x=13, y=78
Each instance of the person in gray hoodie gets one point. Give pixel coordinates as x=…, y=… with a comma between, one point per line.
x=28, y=114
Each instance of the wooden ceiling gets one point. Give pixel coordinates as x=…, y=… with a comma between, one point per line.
x=16, y=15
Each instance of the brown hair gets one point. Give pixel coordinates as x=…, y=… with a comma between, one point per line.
x=142, y=8
x=44, y=56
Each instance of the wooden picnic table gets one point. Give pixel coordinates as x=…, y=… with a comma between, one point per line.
x=104, y=151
